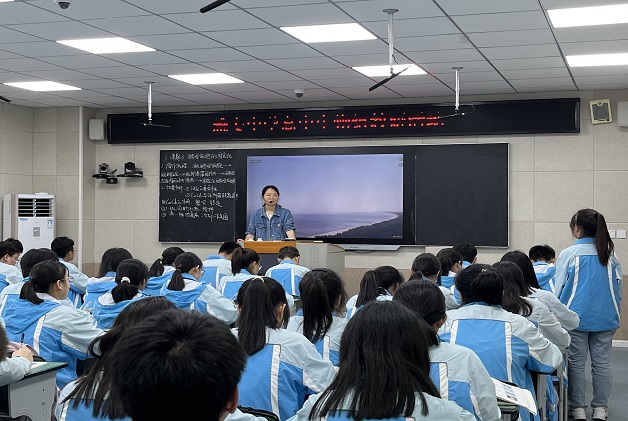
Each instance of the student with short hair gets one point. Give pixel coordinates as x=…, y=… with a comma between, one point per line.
x=427, y=266
x=468, y=252
x=161, y=270
x=376, y=284
x=200, y=364
x=105, y=280
x=20, y=249
x=29, y=259
x=8, y=259
x=321, y=316
x=217, y=266
x=288, y=272
x=451, y=264
x=543, y=258
x=14, y=368
x=186, y=292
x=64, y=248
x=245, y=263
x=131, y=277
x=58, y=332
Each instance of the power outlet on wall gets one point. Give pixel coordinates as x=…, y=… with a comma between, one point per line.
x=621, y=234
x=611, y=233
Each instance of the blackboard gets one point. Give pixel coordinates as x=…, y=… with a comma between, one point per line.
x=197, y=195
x=462, y=194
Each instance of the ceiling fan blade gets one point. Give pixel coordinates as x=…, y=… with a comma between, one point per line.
x=4, y=99
x=389, y=78
x=153, y=125
x=213, y=5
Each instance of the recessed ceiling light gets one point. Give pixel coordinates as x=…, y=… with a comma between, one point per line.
x=375, y=71
x=106, y=45
x=587, y=16
x=329, y=33
x=206, y=78
x=590, y=60
x=43, y=86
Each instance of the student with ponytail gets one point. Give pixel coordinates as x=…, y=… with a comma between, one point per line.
x=29, y=259
x=57, y=331
x=427, y=266
x=186, y=292
x=161, y=270
x=456, y=371
x=320, y=319
x=376, y=284
x=589, y=282
x=244, y=264
x=131, y=277
x=283, y=366
x=106, y=277
x=450, y=265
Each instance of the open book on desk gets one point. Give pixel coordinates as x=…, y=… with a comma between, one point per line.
x=515, y=395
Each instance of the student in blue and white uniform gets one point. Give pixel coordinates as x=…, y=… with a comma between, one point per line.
x=589, y=282
x=14, y=368
x=386, y=376
x=217, y=266
x=450, y=265
x=508, y=345
x=427, y=266
x=271, y=222
x=64, y=247
x=288, y=272
x=245, y=263
x=105, y=280
x=468, y=252
x=57, y=332
x=282, y=366
x=30, y=259
x=543, y=258
x=320, y=318
x=8, y=259
x=161, y=270
x=377, y=284
x=456, y=371
x=131, y=277
x=186, y=292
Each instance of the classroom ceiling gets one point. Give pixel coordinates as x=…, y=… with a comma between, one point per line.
x=504, y=47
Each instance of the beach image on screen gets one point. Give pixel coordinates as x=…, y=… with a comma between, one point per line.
x=333, y=196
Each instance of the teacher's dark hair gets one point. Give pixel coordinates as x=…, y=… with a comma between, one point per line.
x=270, y=187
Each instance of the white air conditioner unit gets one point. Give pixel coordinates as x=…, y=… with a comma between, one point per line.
x=30, y=218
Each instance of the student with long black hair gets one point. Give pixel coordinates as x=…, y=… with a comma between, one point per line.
x=455, y=370
x=427, y=266
x=131, y=277
x=320, y=319
x=245, y=263
x=377, y=284
x=186, y=292
x=589, y=282
x=29, y=259
x=57, y=331
x=106, y=277
x=282, y=365
x=384, y=372
x=450, y=265
x=161, y=270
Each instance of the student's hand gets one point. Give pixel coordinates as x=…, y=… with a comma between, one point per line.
x=24, y=352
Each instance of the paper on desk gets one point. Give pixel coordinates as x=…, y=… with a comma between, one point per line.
x=37, y=364
x=515, y=395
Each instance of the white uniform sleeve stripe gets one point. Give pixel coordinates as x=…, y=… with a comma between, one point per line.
x=444, y=381
x=575, y=281
x=326, y=346
x=508, y=334
x=454, y=332
x=274, y=379
x=610, y=284
x=38, y=328
x=476, y=406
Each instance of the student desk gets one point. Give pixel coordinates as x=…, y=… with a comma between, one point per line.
x=33, y=395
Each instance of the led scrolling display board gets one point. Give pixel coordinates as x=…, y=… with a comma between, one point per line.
x=485, y=118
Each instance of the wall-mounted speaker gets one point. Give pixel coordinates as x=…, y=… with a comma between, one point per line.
x=600, y=111
x=622, y=113
x=96, y=129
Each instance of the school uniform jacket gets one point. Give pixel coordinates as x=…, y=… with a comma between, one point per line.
x=203, y=298
x=154, y=283
x=230, y=285
x=329, y=345
x=97, y=287
x=545, y=273
x=12, y=274
x=106, y=309
x=568, y=319
x=77, y=285
x=13, y=369
x=222, y=267
x=65, y=412
x=57, y=332
x=288, y=274
x=384, y=296
x=588, y=288
x=548, y=324
x=448, y=281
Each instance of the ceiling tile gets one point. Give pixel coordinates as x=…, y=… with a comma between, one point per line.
x=453, y=56
x=265, y=76
x=304, y=63
x=94, y=9
x=25, y=64
x=118, y=72
x=58, y=75
x=8, y=36
x=322, y=74
x=476, y=7
x=175, y=69
x=41, y=49
x=24, y=12
x=595, y=47
x=217, y=20
x=211, y=54
x=502, y=21
x=542, y=83
x=413, y=27
x=369, y=10
x=54, y=31
x=521, y=51
x=137, y=25
x=281, y=51
x=467, y=66
x=334, y=49
x=302, y=14
x=433, y=42
x=552, y=72
x=187, y=6
x=240, y=66
x=6, y=54
x=82, y=61
x=529, y=63
x=148, y=58
x=592, y=33
x=511, y=38
x=184, y=41
x=252, y=37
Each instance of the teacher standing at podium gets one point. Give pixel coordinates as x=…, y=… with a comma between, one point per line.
x=271, y=222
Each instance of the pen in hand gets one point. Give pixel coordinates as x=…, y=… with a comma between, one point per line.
x=22, y=340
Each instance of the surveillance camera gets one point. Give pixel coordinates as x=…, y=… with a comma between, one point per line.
x=64, y=4
x=103, y=168
x=299, y=93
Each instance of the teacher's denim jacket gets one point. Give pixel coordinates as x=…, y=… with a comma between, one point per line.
x=272, y=229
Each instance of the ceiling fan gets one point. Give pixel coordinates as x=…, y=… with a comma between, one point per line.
x=391, y=52
x=4, y=99
x=457, y=111
x=150, y=109
x=213, y=5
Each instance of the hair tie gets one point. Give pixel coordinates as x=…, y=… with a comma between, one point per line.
x=259, y=277
x=125, y=279
x=161, y=258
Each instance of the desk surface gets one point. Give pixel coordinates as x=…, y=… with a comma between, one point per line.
x=38, y=368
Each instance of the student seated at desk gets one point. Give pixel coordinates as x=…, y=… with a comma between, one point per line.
x=427, y=266
x=378, y=284
x=161, y=270
x=30, y=259
x=64, y=248
x=468, y=252
x=105, y=280
x=15, y=368
x=543, y=258
x=288, y=272
x=450, y=265
x=8, y=259
x=58, y=332
x=217, y=266
x=245, y=263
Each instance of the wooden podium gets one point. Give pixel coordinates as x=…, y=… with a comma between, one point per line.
x=314, y=254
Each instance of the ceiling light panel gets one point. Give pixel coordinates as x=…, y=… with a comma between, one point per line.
x=376, y=71
x=590, y=60
x=42, y=86
x=206, y=78
x=588, y=16
x=106, y=45
x=329, y=33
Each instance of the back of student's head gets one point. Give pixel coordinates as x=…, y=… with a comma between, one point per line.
x=166, y=259
x=480, y=283
x=288, y=252
x=260, y=299
x=376, y=282
x=42, y=276
x=448, y=258
x=523, y=261
x=384, y=361
x=184, y=263
x=242, y=258
x=176, y=365
x=228, y=247
x=130, y=275
x=111, y=258
x=62, y=246
x=467, y=251
x=593, y=224
x=515, y=288
x=426, y=300
x=7, y=248
x=34, y=256
x=322, y=294
x=541, y=253
x=19, y=247
x=427, y=264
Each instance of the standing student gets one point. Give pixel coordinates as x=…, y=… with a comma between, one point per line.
x=186, y=292
x=377, y=284
x=589, y=282
x=161, y=270
x=282, y=365
x=131, y=277
x=468, y=252
x=14, y=368
x=245, y=263
x=450, y=265
x=64, y=248
x=288, y=272
x=106, y=277
x=320, y=319
x=8, y=259
x=543, y=258
x=456, y=371
x=271, y=222
x=58, y=332
x=30, y=259
x=217, y=266
x=384, y=372
x=427, y=266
